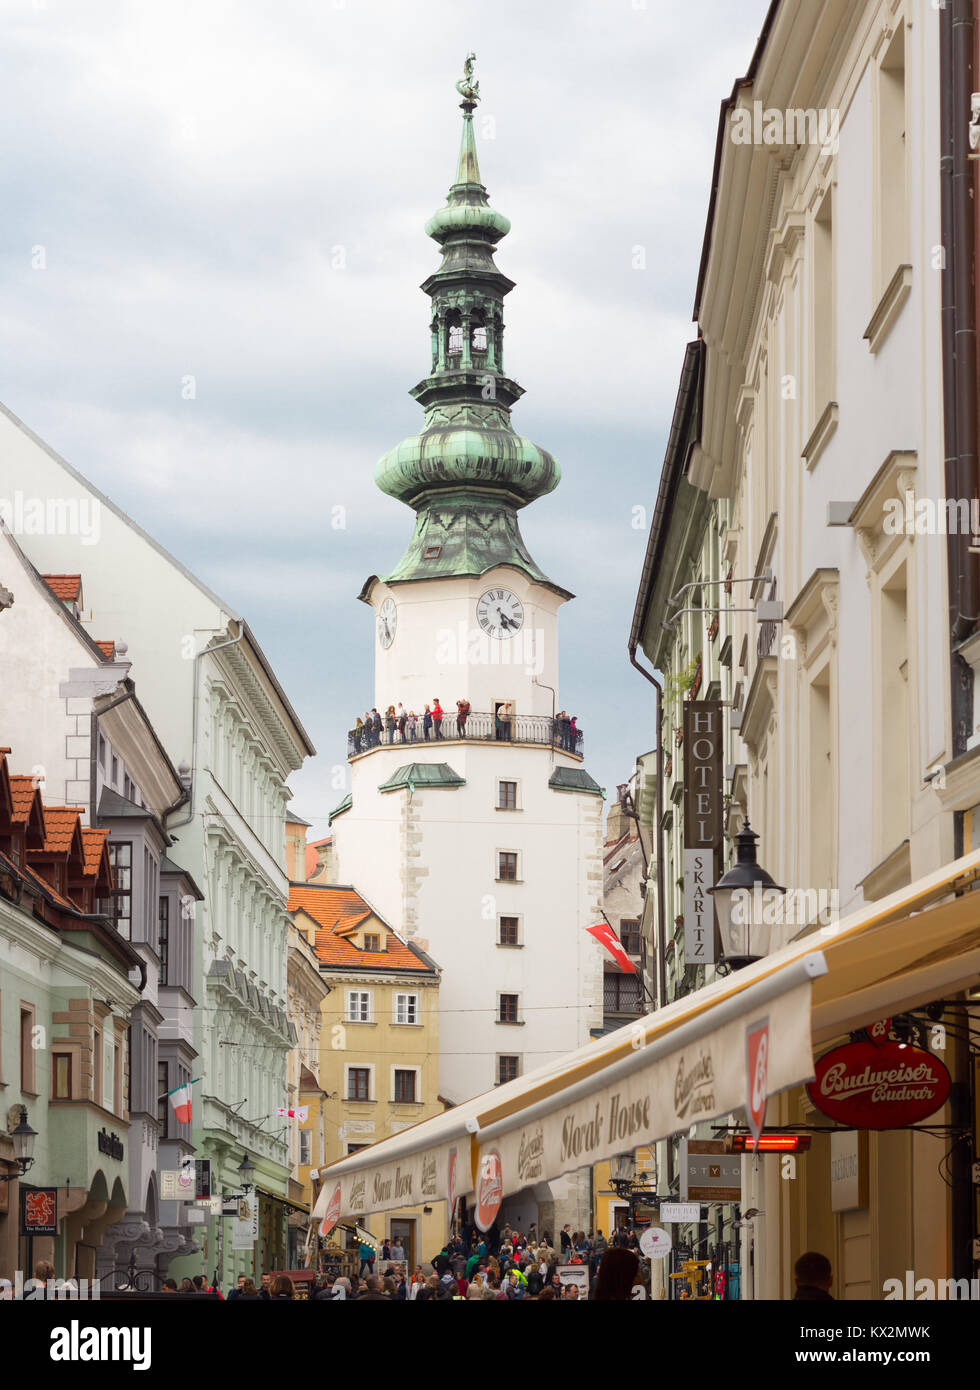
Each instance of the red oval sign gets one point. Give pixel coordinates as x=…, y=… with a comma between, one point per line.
x=332, y=1214
x=490, y=1192
x=879, y=1087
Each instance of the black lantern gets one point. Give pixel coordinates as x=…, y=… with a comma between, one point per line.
x=246, y=1172
x=23, y=1139
x=746, y=904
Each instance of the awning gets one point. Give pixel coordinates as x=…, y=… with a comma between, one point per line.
x=687, y=1062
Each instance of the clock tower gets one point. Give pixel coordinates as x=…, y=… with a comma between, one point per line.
x=481, y=841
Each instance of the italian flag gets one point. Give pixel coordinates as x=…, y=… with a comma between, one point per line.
x=180, y=1099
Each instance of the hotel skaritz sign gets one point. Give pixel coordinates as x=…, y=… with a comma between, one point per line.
x=408, y=1181
x=699, y=1081
x=704, y=824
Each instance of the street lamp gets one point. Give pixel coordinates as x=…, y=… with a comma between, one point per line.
x=246, y=1172
x=23, y=1139
x=746, y=905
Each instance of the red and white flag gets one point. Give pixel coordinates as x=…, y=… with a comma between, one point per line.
x=180, y=1099
x=605, y=935
x=293, y=1112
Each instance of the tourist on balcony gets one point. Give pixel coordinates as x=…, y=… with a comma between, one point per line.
x=501, y=722
x=462, y=710
x=563, y=731
x=412, y=726
x=390, y=723
x=437, y=716
x=357, y=734
x=375, y=724
x=427, y=723
x=401, y=719
x=574, y=735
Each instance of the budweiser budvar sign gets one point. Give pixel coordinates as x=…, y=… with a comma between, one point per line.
x=879, y=1087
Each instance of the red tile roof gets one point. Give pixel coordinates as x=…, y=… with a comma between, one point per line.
x=94, y=845
x=45, y=886
x=67, y=587
x=61, y=826
x=108, y=650
x=338, y=911
x=28, y=809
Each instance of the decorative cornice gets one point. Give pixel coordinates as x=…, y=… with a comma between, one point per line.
x=893, y=480
x=760, y=702
x=813, y=614
x=896, y=293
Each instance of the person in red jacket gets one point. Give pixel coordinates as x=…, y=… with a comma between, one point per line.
x=437, y=713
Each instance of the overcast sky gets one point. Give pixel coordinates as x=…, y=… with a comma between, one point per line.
x=236, y=192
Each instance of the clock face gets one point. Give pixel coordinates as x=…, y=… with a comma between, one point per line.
x=500, y=613
x=387, y=622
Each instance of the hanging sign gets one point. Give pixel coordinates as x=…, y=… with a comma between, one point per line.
x=757, y=1075
x=883, y=1086
x=38, y=1211
x=452, y=1182
x=878, y=1032
x=699, y=907
x=655, y=1242
x=490, y=1189
x=332, y=1214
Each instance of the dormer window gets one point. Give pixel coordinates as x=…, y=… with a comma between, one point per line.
x=372, y=942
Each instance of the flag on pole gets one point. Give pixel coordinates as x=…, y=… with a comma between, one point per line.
x=293, y=1112
x=180, y=1099
x=605, y=935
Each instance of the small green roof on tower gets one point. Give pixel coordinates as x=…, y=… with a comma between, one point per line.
x=468, y=473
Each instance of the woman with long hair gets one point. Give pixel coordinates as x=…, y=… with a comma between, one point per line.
x=282, y=1287
x=617, y=1272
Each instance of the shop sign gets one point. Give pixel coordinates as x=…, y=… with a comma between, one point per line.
x=38, y=1211
x=332, y=1214
x=708, y=1174
x=848, y=1170
x=245, y=1229
x=680, y=1212
x=490, y=1191
x=452, y=1181
x=109, y=1144
x=655, y=1242
x=757, y=1075
x=883, y=1086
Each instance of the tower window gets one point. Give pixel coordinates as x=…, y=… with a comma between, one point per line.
x=479, y=343
x=432, y=552
x=455, y=344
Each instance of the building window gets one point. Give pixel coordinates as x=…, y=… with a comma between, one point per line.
x=305, y=1148
x=506, y=796
x=27, y=1072
x=509, y=932
x=406, y=1008
x=102, y=754
x=629, y=935
x=507, y=866
x=61, y=1076
x=163, y=938
x=372, y=943
x=893, y=210
x=358, y=1083
x=356, y=1148
x=405, y=1086
x=508, y=1069
x=508, y=1008
x=121, y=902
x=115, y=771
x=358, y=1006
x=620, y=993
x=163, y=1100
x=824, y=332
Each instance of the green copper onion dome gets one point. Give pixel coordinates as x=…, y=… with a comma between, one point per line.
x=468, y=472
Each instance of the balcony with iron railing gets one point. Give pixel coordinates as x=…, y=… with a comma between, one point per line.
x=477, y=727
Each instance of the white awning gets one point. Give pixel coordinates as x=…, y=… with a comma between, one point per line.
x=686, y=1062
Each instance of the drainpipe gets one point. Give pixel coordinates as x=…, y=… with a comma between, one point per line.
x=959, y=368
x=959, y=347
x=206, y=651
x=658, y=835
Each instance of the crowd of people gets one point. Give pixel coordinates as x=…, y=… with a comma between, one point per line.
x=399, y=725
x=505, y=1265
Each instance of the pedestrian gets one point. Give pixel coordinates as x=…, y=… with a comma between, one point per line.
x=366, y=1253
x=614, y=1282
x=236, y=1292
x=282, y=1287
x=574, y=735
x=437, y=715
x=357, y=734
x=462, y=710
x=375, y=727
x=427, y=723
x=397, y=1250
x=401, y=720
x=571, y=1292
x=475, y=1289
x=390, y=723
x=374, y=1291
x=566, y=1243
x=412, y=725
x=249, y=1293
x=186, y=1286
x=813, y=1276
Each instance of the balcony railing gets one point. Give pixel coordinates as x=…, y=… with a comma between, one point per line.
x=477, y=728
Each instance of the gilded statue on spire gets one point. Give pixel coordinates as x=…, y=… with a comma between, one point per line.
x=467, y=88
